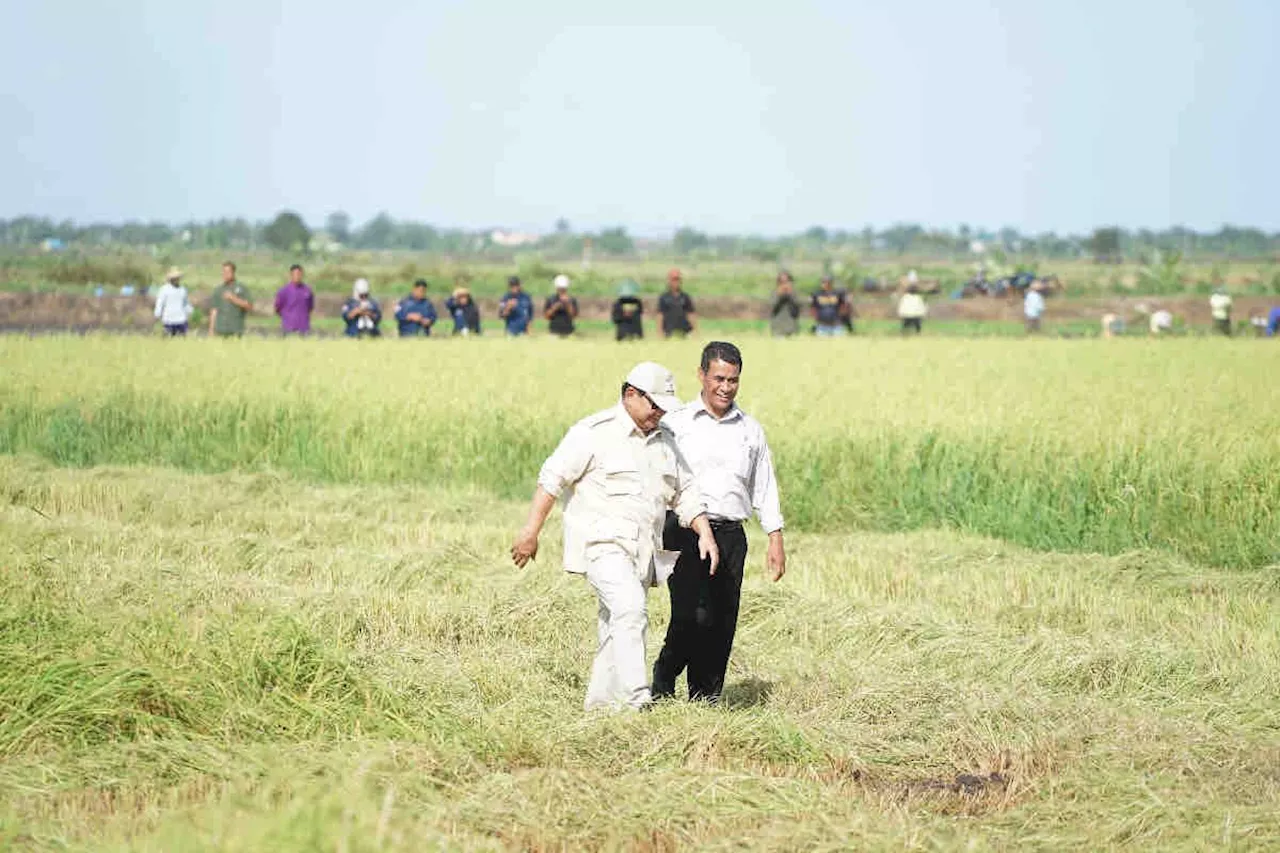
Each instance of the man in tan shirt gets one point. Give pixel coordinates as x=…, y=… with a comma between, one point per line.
x=617, y=473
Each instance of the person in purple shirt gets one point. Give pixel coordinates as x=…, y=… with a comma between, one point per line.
x=1273, y=322
x=294, y=304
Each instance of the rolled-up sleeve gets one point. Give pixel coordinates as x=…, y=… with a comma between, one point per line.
x=688, y=503
x=568, y=463
x=764, y=490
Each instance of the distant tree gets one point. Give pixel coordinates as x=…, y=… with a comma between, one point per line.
x=901, y=238
x=816, y=234
x=377, y=233
x=687, y=240
x=287, y=233
x=1105, y=245
x=338, y=226
x=562, y=226
x=614, y=241
x=416, y=236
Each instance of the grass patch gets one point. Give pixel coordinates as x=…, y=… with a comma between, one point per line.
x=245, y=661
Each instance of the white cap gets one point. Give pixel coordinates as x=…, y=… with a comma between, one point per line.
x=562, y=282
x=656, y=381
x=362, y=287
x=912, y=278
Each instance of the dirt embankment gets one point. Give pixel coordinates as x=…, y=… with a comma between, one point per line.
x=47, y=311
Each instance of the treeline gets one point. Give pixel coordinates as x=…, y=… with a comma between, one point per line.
x=289, y=232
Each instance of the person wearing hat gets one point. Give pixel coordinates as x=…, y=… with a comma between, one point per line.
x=173, y=305
x=561, y=308
x=415, y=314
x=294, y=303
x=912, y=308
x=617, y=473
x=676, y=314
x=730, y=458
x=462, y=308
x=230, y=305
x=832, y=312
x=1033, y=307
x=627, y=313
x=516, y=308
x=361, y=312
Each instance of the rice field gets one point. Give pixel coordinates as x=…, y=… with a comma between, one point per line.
x=255, y=595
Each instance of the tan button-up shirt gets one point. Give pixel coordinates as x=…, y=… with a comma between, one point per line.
x=616, y=485
x=731, y=461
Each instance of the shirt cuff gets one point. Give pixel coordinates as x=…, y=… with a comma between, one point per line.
x=687, y=512
x=551, y=483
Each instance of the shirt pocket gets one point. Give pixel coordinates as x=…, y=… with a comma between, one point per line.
x=621, y=478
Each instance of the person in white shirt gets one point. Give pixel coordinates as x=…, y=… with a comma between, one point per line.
x=173, y=306
x=912, y=309
x=1220, y=308
x=730, y=458
x=1033, y=307
x=618, y=472
x=1160, y=322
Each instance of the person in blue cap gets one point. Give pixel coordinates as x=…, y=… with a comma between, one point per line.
x=415, y=314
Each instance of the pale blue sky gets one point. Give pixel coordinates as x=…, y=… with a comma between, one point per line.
x=731, y=117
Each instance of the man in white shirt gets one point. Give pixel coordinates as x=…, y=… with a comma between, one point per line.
x=173, y=306
x=1220, y=308
x=618, y=473
x=730, y=458
x=912, y=309
x=1033, y=307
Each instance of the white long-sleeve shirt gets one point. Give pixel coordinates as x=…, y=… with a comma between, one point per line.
x=731, y=463
x=172, y=305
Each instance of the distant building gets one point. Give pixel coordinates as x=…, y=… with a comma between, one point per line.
x=52, y=244
x=509, y=239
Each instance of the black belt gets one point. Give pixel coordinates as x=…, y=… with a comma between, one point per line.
x=723, y=523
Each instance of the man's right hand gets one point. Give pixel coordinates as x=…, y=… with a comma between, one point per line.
x=708, y=550
x=525, y=547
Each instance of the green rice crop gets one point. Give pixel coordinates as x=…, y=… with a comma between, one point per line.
x=1059, y=445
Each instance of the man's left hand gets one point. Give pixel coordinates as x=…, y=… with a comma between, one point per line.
x=776, y=558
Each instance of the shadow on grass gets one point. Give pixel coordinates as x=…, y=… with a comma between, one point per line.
x=750, y=693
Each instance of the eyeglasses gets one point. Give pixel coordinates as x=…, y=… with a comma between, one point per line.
x=648, y=399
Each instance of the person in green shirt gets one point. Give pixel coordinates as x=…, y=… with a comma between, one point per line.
x=231, y=302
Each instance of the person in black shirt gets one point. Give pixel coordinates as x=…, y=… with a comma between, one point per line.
x=831, y=310
x=628, y=312
x=561, y=309
x=675, y=309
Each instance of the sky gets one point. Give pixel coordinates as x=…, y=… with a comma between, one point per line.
x=729, y=117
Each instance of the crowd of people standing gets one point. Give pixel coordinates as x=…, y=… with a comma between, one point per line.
x=830, y=308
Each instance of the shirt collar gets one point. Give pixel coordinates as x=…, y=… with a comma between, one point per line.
x=700, y=408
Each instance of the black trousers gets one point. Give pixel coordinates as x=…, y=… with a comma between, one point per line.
x=704, y=611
